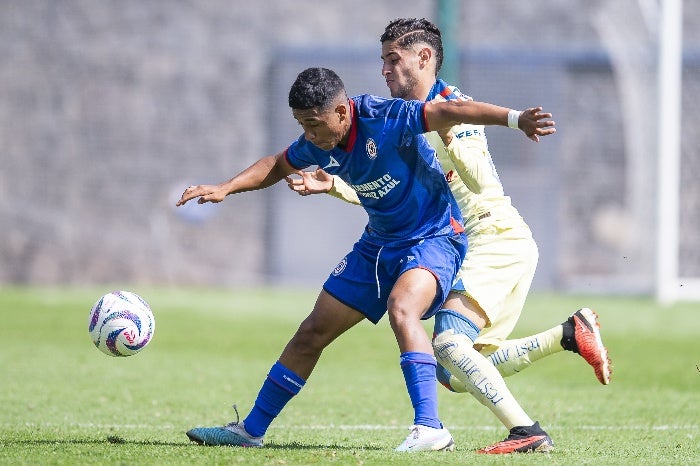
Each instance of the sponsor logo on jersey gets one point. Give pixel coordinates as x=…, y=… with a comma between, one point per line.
x=376, y=189
x=333, y=163
x=469, y=133
x=371, y=148
x=340, y=267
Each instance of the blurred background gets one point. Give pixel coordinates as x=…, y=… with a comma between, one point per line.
x=109, y=109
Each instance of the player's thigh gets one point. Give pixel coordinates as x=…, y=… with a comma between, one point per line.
x=505, y=297
x=329, y=319
x=413, y=294
x=425, y=271
x=494, y=270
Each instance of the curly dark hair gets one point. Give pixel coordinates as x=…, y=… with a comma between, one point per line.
x=315, y=88
x=409, y=31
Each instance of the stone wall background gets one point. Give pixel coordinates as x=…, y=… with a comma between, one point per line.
x=108, y=110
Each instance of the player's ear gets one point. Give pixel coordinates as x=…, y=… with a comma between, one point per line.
x=424, y=55
x=342, y=110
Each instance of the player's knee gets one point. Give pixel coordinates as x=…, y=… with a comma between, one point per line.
x=309, y=339
x=450, y=331
x=401, y=313
x=447, y=319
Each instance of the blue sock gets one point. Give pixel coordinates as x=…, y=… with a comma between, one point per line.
x=279, y=387
x=448, y=319
x=419, y=372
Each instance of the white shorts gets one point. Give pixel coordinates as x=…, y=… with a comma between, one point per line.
x=497, y=274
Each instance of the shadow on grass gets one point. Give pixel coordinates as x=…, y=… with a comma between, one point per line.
x=110, y=439
x=122, y=441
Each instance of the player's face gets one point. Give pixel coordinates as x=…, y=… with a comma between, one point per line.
x=400, y=70
x=324, y=129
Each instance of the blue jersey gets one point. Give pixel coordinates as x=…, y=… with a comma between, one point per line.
x=393, y=169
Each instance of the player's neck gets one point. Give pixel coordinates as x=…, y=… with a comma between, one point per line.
x=421, y=90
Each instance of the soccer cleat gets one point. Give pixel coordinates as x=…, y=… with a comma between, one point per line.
x=424, y=438
x=232, y=434
x=522, y=439
x=582, y=336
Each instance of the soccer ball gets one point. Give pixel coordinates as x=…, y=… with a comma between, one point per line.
x=121, y=323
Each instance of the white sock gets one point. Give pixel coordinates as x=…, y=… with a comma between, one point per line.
x=513, y=356
x=479, y=377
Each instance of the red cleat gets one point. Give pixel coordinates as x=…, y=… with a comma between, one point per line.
x=588, y=343
x=522, y=439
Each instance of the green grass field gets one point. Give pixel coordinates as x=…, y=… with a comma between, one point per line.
x=64, y=402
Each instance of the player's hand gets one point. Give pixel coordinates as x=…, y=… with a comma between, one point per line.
x=313, y=182
x=535, y=123
x=205, y=193
x=446, y=135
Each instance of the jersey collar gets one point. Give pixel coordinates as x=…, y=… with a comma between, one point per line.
x=354, y=119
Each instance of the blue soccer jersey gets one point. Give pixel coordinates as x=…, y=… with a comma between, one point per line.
x=393, y=169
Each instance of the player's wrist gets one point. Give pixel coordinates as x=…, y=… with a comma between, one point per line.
x=332, y=189
x=513, y=118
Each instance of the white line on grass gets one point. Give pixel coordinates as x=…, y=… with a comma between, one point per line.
x=89, y=425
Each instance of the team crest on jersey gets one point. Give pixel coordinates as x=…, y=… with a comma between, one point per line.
x=340, y=267
x=371, y=148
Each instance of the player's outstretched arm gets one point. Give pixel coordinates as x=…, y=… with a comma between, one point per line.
x=262, y=174
x=533, y=122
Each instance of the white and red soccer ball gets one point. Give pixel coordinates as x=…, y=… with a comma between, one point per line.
x=121, y=323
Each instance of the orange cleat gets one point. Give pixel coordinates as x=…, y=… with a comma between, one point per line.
x=522, y=439
x=587, y=342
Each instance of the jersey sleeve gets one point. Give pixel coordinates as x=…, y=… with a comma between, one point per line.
x=343, y=191
x=415, y=112
x=469, y=153
x=468, y=150
x=299, y=155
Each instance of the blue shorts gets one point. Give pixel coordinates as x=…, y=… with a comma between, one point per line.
x=365, y=277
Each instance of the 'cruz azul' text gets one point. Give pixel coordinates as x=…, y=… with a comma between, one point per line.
x=376, y=189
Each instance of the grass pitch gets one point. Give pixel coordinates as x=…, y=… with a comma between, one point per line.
x=64, y=402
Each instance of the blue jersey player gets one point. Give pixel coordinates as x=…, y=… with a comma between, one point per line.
x=403, y=264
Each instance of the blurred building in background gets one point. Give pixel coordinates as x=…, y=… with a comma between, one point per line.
x=108, y=110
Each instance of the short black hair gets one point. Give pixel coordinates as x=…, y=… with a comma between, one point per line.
x=410, y=31
x=315, y=88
